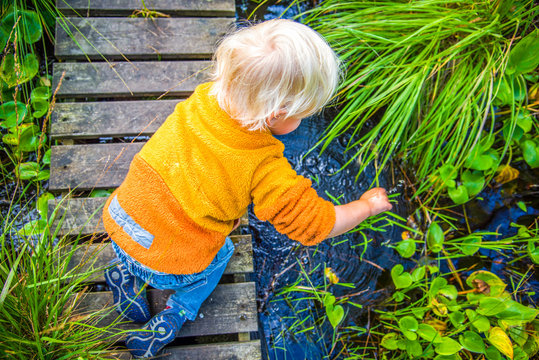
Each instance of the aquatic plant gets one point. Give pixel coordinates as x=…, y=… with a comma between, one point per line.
x=444, y=323
x=430, y=73
x=40, y=294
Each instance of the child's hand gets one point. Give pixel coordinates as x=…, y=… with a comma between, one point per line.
x=377, y=200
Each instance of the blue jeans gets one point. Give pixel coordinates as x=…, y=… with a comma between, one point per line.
x=190, y=290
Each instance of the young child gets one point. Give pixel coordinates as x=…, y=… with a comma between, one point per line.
x=170, y=219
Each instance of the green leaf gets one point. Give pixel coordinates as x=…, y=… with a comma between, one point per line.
x=406, y=248
x=495, y=286
x=437, y=284
x=43, y=175
x=530, y=152
x=398, y=296
x=522, y=206
x=329, y=299
x=335, y=314
x=100, y=193
x=400, y=278
x=480, y=322
x=490, y=306
x=27, y=170
x=47, y=157
x=470, y=245
x=472, y=341
x=408, y=323
x=13, y=113
x=447, y=174
x=504, y=96
x=473, y=181
x=523, y=56
x=533, y=250
x=525, y=121
x=413, y=348
x=28, y=27
x=33, y=227
x=516, y=311
x=518, y=334
x=435, y=237
x=40, y=108
x=456, y=318
x=42, y=204
x=493, y=354
x=42, y=93
x=429, y=333
x=29, y=139
x=389, y=341
x=25, y=72
x=517, y=132
x=447, y=346
x=419, y=273
x=458, y=195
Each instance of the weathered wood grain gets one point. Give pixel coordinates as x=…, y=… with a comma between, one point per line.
x=229, y=309
x=93, y=256
x=83, y=216
x=109, y=118
x=100, y=166
x=127, y=79
x=127, y=7
x=248, y=350
x=139, y=38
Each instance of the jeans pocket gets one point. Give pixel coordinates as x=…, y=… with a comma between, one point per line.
x=193, y=282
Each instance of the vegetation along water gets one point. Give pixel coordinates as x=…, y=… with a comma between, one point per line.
x=439, y=105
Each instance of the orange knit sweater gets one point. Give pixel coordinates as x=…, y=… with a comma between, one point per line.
x=194, y=177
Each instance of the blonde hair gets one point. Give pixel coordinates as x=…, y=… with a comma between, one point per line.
x=277, y=64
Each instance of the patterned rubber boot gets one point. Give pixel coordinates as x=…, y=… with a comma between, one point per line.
x=160, y=331
x=125, y=291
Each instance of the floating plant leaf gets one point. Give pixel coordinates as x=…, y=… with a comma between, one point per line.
x=493, y=354
x=471, y=245
x=406, y=248
x=447, y=346
x=400, y=278
x=418, y=273
x=530, y=152
x=495, y=286
x=435, y=237
x=473, y=181
x=335, y=314
x=523, y=56
x=429, y=333
x=472, y=341
x=490, y=306
x=408, y=323
x=480, y=322
x=459, y=195
x=516, y=311
x=389, y=341
x=414, y=348
x=456, y=318
x=501, y=341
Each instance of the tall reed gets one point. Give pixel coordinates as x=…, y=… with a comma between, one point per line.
x=425, y=69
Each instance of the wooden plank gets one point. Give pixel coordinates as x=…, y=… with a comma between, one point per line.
x=249, y=350
x=100, y=166
x=83, y=216
x=139, y=38
x=127, y=7
x=98, y=255
x=108, y=118
x=229, y=309
x=125, y=79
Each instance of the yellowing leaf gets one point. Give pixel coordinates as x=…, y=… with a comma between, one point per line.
x=500, y=340
x=506, y=174
x=331, y=276
x=405, y=235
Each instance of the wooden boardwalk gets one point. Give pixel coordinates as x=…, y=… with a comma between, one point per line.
x=119, y=78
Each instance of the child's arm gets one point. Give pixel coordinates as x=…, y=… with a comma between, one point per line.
x=348, y=216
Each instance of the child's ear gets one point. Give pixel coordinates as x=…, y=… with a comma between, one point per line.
x=276, y=116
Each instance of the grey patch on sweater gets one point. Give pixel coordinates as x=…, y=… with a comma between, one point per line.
x=137, y=233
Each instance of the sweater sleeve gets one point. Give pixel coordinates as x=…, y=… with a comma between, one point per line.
x=288, y=201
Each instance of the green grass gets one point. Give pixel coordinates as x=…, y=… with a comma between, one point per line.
x=425, y=71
